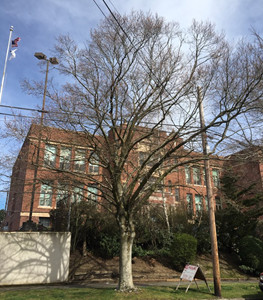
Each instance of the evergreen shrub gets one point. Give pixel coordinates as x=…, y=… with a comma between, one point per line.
x=250, y=252
x=183, y=249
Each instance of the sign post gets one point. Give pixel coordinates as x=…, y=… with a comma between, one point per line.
x=191, y=273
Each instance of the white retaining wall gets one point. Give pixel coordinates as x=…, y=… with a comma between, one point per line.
x=34, y=257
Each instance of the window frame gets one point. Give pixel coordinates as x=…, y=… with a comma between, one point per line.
x=77, y=194
x=198, y=204
x=64, y=187
x=45, y=189
x=216, y=178
x=187, y=171
x=197, y=179
x=92, y=196
x=64, y=160
x=94, y=167
x=177, y=194
x=218, y=203
x=50, y=163
x=80, y=165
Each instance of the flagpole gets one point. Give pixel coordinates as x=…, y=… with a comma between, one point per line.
x=7, y=51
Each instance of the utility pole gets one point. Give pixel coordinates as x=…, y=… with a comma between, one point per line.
x=30, y=225
x=211, y=204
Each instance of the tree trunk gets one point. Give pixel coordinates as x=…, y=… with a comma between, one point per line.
x=165, y=212
x=125, y=265
x=84, y=246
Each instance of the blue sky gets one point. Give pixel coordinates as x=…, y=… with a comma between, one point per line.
x=38, y=23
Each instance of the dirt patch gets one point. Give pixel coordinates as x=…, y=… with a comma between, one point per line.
x=92, y=268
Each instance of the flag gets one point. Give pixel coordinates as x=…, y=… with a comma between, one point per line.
x=15, y=41
x=13, y=54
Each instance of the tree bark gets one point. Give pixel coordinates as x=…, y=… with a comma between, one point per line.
x=125, y=265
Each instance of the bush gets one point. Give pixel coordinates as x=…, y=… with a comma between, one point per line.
x=183, y=249
x=109, y=246
x=250, y=252
x=151, y=231
x=202, y=233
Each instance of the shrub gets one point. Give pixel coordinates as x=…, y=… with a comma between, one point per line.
x=183, y=249
x=250, y=252
x=109, y=246
x=201, y=232
x=151, y=231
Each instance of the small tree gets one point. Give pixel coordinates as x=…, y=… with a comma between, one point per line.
x=240, y=215
x=250, y=252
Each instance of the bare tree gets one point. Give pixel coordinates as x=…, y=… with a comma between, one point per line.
x=137, y=79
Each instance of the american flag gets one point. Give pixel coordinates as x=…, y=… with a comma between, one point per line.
x=15, y=41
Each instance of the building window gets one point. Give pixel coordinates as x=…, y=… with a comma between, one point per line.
x=142, y=157
x=197, y=175
x=44, y=222
x=152, y=182
x=62, y=195
x=170, y=188
x=80, y=160
x=94, y=163
x=45, y=198
x=50, y=155
x=177, y=194
x=198, y=203
x=215, y=174
x=187, y=175
x=189, y=200
x=218, y=203
x=77, y=194
x=92, y=193
x=175, y=161
x=65, y=158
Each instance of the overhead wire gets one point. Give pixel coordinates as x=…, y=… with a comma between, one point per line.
x=61, y=121
x=22, y=108
x=80, y=113
x=99, y=8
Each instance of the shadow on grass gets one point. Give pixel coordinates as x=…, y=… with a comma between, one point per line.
x=258, y=295
x=202, y=291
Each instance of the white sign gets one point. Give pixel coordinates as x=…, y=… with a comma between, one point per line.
x=189, y=272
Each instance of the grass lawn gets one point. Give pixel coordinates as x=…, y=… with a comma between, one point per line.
x=229, y=290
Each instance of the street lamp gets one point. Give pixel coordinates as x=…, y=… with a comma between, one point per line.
x=54, y=61
x=30, y=225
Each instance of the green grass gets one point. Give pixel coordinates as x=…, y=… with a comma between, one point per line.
x=229, y=290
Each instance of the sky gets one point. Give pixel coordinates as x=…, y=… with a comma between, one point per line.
x=38, y=23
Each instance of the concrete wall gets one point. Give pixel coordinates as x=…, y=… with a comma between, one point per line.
x=34, y=257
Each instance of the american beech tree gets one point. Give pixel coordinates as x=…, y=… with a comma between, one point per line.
x=137, y=78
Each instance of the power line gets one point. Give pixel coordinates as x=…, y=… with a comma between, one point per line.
x=100, y=8
x=91, y=124
x=22, y=108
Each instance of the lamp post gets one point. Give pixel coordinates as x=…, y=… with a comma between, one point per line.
x=30, y=225
x=54, y=61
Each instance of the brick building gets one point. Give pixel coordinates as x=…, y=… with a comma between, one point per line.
x=57, y=172
x=246, y=167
